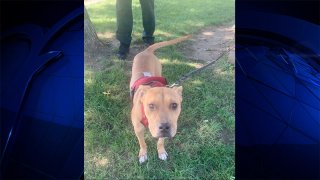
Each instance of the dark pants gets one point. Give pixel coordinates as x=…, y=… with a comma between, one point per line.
x=125, y=20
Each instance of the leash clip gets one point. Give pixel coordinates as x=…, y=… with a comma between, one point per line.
x=172, y=85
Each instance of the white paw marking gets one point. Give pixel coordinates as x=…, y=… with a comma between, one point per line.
x=143, y=158
x=163, y=156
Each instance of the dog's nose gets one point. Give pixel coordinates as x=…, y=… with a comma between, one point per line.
x=164, y=130
x=164, y=127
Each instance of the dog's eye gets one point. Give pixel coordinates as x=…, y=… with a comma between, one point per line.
x=173, y=106
x=152, y=106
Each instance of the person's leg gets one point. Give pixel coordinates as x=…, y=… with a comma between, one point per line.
x=147, y=7
x=124, y=26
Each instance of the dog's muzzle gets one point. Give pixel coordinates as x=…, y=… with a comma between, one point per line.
x=164, y=130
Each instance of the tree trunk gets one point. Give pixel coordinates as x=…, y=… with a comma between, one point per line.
x=91, y=40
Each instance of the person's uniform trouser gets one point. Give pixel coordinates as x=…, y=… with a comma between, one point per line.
x=125, y=20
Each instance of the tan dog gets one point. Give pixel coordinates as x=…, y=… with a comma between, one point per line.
x=157, y=108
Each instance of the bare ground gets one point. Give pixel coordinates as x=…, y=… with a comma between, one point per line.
x=209, y=42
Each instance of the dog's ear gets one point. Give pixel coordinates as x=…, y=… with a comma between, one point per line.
x=178, y=90
x=143, y=90
x=140, y=93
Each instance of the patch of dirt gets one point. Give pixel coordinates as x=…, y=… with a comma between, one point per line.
x=96, y=56
x=207, y=44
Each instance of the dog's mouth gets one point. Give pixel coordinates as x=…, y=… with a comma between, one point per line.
x=164, y=130
x=165, y=134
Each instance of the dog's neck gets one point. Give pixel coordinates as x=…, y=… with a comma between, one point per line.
x=151, y=81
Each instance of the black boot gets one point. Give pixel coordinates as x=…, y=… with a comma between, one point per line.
x=148, y=40
x=123, y=51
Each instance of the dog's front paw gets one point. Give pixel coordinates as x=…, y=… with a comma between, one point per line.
x=163, y=156
x=143, y=158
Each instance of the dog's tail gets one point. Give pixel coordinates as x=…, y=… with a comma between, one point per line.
x=156, y=46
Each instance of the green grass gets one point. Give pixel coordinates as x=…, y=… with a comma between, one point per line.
x=173, y=18
x=204, y=145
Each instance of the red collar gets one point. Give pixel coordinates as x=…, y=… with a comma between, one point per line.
x=153, y=82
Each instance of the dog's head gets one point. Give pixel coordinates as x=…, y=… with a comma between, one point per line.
x=162, y=107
